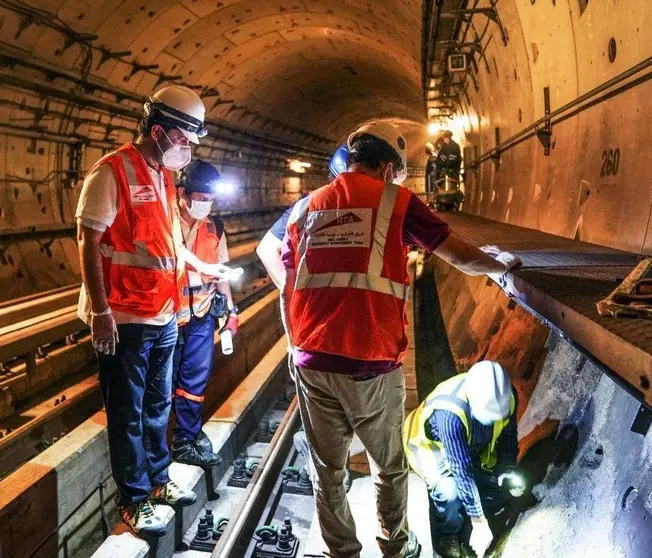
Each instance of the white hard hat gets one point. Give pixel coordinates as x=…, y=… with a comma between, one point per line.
x=179, y=107
x=489, y=392
x=386, y=132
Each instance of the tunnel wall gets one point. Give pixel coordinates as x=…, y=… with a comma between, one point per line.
x=35, y=191
x=578, y=191
x=592, y=476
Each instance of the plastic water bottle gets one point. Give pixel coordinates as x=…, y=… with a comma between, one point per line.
x=226, y=341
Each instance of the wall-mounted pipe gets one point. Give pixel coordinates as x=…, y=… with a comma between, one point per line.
x=598, y=94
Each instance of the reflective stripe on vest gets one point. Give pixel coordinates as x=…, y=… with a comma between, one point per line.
x=449, y=396
x=138, y=259
x=372, y=280
x=186, y=395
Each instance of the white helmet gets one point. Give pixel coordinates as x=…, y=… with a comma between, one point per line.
x=179, y=107
x=390, y=135
x=489, y=392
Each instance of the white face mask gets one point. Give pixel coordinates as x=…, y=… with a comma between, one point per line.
x=175, y=157
x=396, y=178
x=199, y=209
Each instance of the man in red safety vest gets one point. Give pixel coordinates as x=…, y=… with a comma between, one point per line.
x=343, y=303
x=130, y=247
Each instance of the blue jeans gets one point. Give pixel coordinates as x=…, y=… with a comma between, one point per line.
x=447, y=512
x=193, y=365
x=136, y=386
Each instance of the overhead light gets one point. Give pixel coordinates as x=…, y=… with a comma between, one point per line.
x=298, y=166
x=433, y=128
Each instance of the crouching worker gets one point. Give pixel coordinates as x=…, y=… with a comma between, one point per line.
x=462, y=441
x=204, y=300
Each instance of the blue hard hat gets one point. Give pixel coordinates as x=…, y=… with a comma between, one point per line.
x=200, y=176
x=337, y=164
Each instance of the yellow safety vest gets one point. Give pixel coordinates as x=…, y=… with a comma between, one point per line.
x=451, y=396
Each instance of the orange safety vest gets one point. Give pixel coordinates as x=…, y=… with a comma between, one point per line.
x=352, y=285
x=139, y=250
x=206, y=249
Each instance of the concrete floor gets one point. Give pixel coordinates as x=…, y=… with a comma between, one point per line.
x=362, y=502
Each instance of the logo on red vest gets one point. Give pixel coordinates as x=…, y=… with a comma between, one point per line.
x=330, y=229
x=142, y=193
x=347, y=219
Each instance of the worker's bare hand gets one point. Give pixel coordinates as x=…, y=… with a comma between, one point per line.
x=104, y=334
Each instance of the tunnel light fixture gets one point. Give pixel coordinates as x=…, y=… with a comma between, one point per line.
x=298, y=166
x=433, y=128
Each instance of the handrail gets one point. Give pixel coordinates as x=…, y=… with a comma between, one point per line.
x=558, y=115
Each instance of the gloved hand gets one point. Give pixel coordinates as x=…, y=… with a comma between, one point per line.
x=514, y=483
x=104, y=333
x=232, y=323
x=510, y=261
x=481, y=536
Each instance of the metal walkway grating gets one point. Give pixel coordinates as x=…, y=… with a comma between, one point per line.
x=561, y=281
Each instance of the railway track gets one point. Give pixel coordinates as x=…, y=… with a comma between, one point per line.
x=49, y=413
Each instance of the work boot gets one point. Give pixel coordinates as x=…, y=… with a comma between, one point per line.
x=188, y=452
x=143, y=519
x=448, y=546
x=203, y=443
x=172, y=495
x=412, y=548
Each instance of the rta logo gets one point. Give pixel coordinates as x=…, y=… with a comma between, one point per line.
x=346, y=219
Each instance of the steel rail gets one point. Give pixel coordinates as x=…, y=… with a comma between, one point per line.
x=233, y=543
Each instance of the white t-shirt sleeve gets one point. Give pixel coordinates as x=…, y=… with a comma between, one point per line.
x=98, y=201
x=222, y=250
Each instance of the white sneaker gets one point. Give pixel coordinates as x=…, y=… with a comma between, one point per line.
x=172, y=495
x=143, y=519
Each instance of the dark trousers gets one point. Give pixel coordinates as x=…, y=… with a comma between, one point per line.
x=447, y=514
x=193, y=364
x=136, y=386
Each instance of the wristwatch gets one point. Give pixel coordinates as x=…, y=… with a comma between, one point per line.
x=234, y=311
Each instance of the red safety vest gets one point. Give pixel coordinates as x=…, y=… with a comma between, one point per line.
x=139, y=250
x=351, y=284
x=206, y=249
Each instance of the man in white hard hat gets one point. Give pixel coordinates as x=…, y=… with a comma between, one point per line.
x=343, y=303
x=462, y=441
x=129, y=245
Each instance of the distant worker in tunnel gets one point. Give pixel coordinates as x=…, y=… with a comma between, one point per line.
x=343, y=303
x=449, y=158
x=432, y=149
x=129, y=245
x=205, y=302
x=462, y=441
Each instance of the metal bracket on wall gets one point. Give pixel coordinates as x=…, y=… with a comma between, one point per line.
x=136, y=67
x=495, y=154
x=642, y=420
x=544, y=132
x=76, y=151
x=77, y=38
x=162, y=78
x=108, y=55
x=490, y=12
